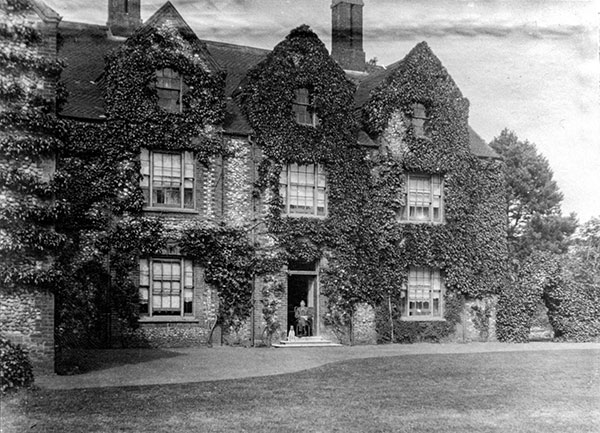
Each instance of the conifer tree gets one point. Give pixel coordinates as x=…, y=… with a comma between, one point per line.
x=533, y=198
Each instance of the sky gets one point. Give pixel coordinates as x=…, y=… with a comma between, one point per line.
x=531, y=66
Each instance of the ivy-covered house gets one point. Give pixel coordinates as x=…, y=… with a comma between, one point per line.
x=268, y=180
x=29, y=138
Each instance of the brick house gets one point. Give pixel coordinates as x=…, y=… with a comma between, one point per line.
x=410, y=115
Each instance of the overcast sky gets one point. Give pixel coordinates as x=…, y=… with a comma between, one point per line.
x=531, y=66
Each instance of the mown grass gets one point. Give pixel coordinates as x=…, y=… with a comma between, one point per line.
x=556, y=391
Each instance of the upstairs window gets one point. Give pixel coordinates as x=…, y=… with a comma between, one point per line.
x=169, y=87
x=422, y=295
x=166, y=287
x=303, y=110
x=303, y=190
x=423, y=199
x=418, y=119
x=168, y=179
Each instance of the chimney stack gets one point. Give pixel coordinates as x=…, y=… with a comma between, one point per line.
x=346, y=37
x=123, y=16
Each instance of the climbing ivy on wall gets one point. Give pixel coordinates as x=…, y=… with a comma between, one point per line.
x=368, y=252
x=30, y=137
x=100, y=172
x=302, y=61
x=132, y=99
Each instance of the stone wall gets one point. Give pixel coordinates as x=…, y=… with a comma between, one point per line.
x=28, y=319
x=363, y=325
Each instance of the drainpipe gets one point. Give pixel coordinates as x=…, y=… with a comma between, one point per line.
x=391, y=319
x=253, y=235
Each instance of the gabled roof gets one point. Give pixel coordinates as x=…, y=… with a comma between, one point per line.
x=370, y=82
x=45, y=12
x=83, y=48
x=237, y=60
x=363, y=92
x=85, y=45
x=480, y=147
x=168, y=16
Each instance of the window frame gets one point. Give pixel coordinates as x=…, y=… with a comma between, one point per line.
x=304, y=106
x=188, y=175
x=286, y=187
x=165, y=88
x=187, y=286
x=419, y=121
x=404, y=212
x=436, y=277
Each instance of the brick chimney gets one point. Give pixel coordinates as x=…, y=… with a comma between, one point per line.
x=347, y=25
x=123, y=16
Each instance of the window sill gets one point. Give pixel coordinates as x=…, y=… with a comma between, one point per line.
x=301, y=215
x=433, y=223
x=168, y=319
x=170, y=210
x=422, y=319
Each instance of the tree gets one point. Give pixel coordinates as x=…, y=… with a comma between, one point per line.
x=533, y=200
x=538, y=237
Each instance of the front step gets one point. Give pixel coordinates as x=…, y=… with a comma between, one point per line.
x=306, y=342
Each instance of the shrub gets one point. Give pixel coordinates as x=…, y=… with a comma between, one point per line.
x=17, y=370
x=530, y=281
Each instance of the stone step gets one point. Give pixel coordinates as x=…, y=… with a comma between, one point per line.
x=306, y=342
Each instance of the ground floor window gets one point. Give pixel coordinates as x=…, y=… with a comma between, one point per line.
x=166, y=287
x=422, y=296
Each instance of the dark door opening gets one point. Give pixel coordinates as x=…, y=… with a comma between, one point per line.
x=300, y=288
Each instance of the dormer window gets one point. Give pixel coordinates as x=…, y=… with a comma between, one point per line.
x=418, y=119
x=302, y=107
x=169, y=87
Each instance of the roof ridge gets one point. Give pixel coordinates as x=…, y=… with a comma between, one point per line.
x=78, y=25
x=246, y=47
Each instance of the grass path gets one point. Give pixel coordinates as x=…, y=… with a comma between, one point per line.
x=557, y=391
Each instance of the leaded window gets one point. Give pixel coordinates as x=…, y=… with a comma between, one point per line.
x=166, y=287
x=168, y=179
x=422, y=296
x=169, y=87
x=303, y=189
x=423, y=199
x=303, y=109
x=418, y=119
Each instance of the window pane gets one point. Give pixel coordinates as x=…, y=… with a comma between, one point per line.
x=144, y=272
x=166, y=287
x=144, y=300
x=300, y=107
x=424, y=293
x=168, y=89
x=306, y=189
x=188, y=302
x=166, y=179
x=423, y=199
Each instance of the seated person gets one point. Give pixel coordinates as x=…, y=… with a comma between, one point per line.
x=303, y=319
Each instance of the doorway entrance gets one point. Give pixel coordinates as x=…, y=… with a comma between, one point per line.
x=302, y=286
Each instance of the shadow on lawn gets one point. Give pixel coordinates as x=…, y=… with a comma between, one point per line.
x=78, y=361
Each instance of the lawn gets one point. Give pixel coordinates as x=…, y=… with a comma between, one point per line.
x=556, y=391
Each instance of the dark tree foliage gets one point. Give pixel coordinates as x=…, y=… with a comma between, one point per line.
x=538, y=239
x=535, y=222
